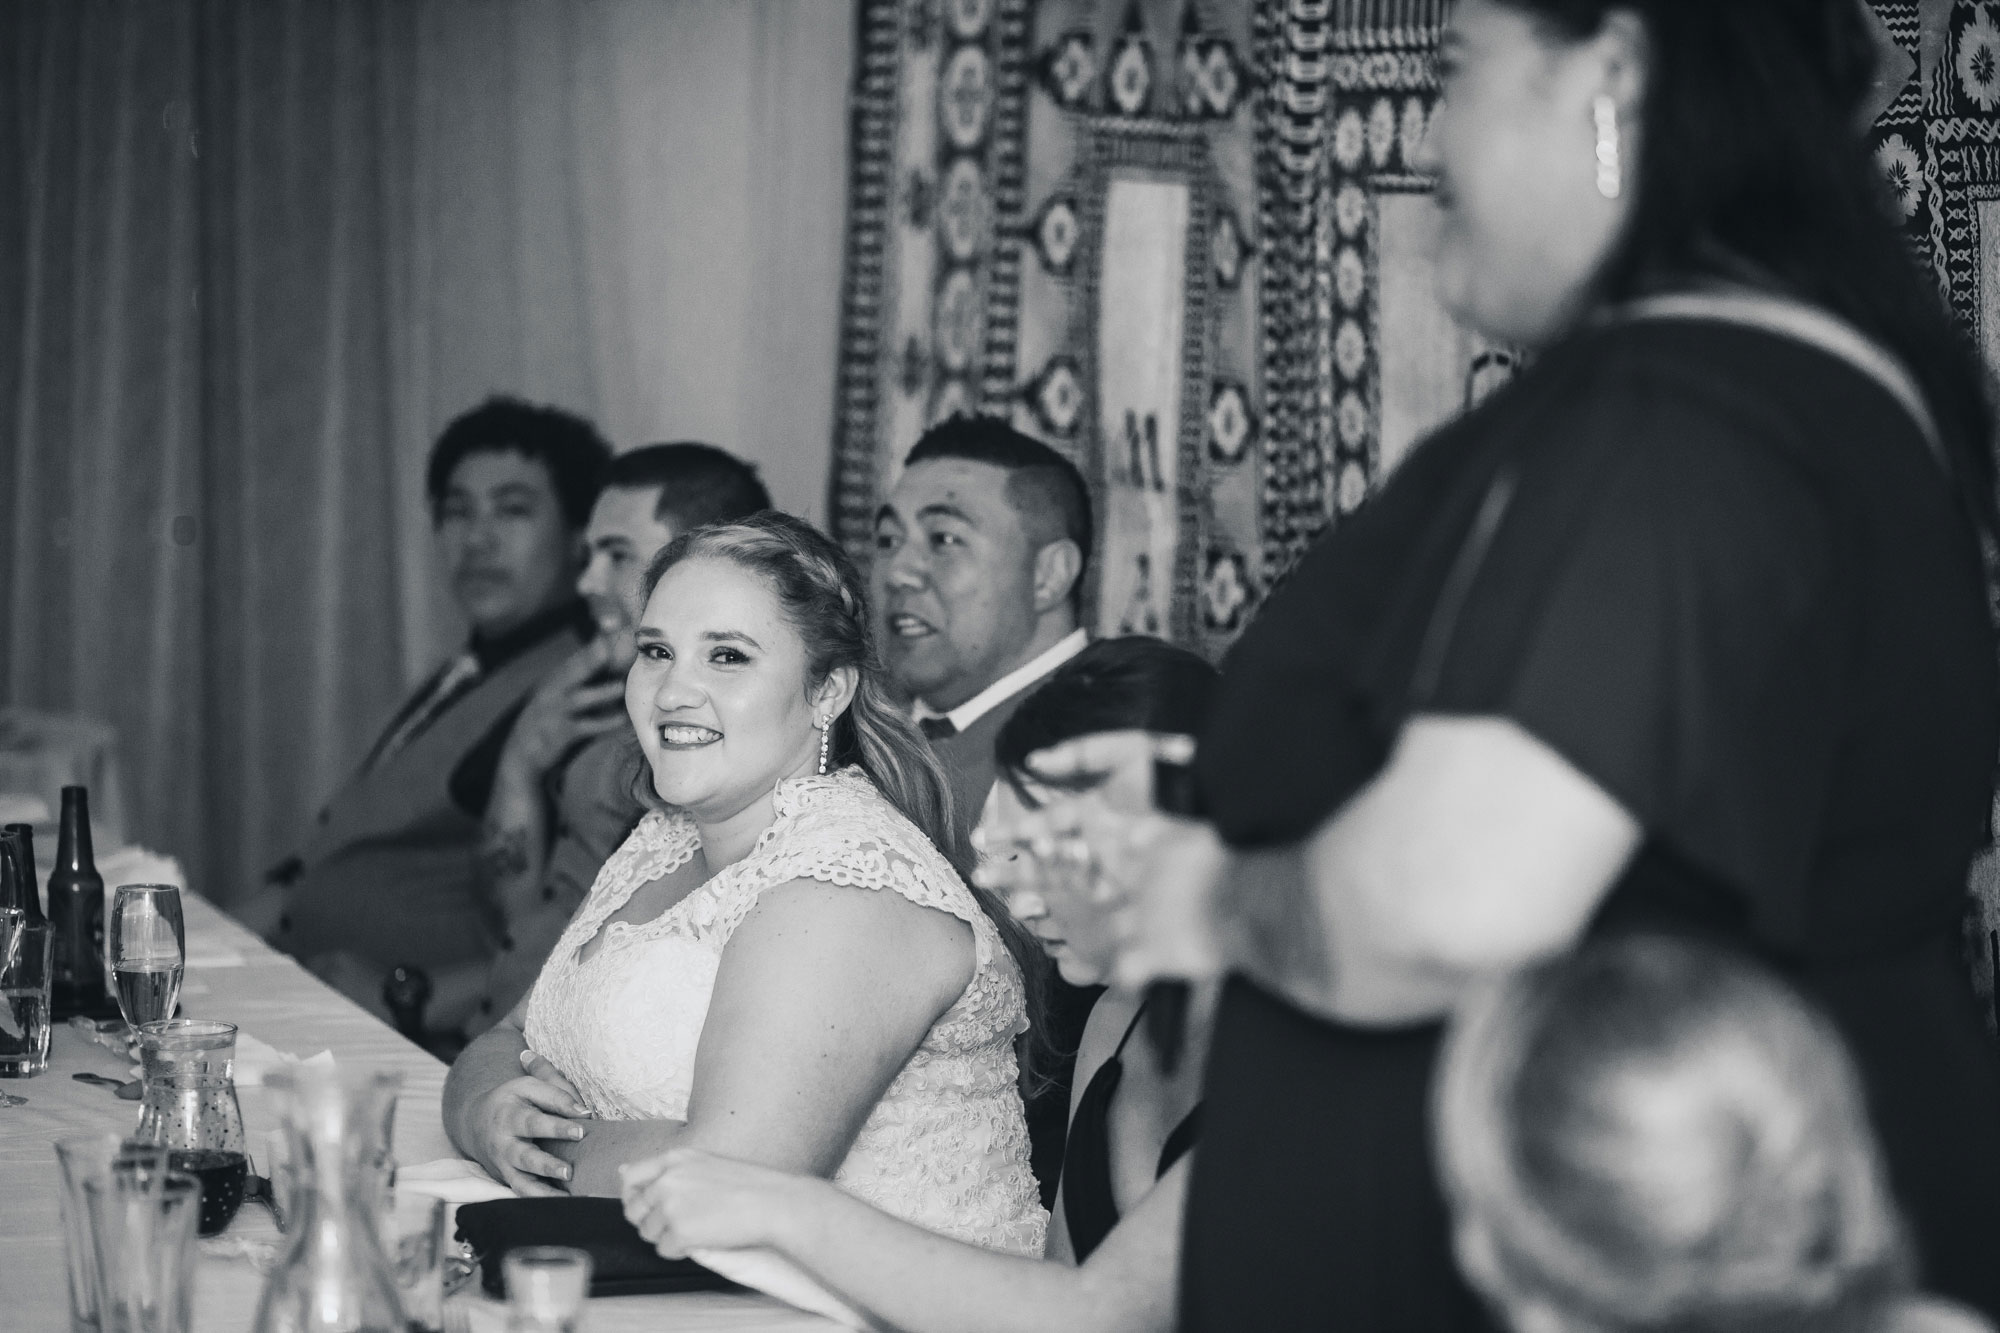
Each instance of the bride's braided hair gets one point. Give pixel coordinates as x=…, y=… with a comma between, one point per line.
x=823, y=596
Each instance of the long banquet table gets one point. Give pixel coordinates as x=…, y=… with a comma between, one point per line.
x=233, y=975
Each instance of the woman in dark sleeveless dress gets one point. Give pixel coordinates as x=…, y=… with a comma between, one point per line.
x=1685, y=628
x=1130, y=1119
x=1113, y=1239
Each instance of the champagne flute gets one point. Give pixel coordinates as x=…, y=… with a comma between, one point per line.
x=148, y=951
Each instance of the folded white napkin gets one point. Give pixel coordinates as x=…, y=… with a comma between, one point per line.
x=456, y=1180
x=255, y=1059
x=774, y=1275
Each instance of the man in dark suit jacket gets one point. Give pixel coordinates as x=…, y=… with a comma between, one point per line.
x=977, y=582
x=385, y=876
x=978, y=576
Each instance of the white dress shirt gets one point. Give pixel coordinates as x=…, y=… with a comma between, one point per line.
x=1009, y=685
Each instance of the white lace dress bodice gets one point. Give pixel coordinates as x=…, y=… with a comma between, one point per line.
x=946, y=1147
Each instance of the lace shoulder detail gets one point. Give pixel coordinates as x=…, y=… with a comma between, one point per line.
x=839, y=829
x=661, y=844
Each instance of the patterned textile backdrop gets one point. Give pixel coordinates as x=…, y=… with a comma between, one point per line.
x=1184, y=242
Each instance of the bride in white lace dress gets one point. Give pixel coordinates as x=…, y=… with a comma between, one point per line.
x=780, y=963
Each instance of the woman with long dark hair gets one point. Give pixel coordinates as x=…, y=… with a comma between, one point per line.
x=1686, y=627
x=784, y=962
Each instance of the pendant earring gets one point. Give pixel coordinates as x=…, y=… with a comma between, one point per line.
x=825, y=742
x=1610, y=171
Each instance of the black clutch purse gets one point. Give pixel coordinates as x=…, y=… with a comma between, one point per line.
x=622, y=1263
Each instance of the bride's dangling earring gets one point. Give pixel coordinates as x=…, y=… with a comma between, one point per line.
x=825, y=741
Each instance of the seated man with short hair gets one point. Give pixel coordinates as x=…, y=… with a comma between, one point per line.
x=386, y=875
x=980, y=553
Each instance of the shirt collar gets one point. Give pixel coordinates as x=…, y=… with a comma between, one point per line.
x=1011, y=684
x=498, y=651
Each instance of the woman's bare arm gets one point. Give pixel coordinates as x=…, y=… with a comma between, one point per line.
x=906, y=1277
x=823, y=995
x=1477, y=848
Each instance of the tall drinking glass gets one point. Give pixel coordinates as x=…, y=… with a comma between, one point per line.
x=13, y=924
x=12, y=921
x=142, y=1226
x=148, y=951
x=84, y=1158
x=24, y=1006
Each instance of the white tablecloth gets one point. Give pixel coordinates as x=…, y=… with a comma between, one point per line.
x=235, y=976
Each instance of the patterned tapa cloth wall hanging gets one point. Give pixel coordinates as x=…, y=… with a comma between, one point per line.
x=1051, y=219
x=1151, y=232
x=1183, y=242
x=1186, y=243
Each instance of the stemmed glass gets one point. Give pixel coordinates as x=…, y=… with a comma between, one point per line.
x=13, y=923
x=148, y=951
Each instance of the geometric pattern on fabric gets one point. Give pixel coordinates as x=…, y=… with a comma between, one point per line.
x=1310, y=353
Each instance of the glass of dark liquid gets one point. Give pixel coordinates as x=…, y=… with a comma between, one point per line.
x=223, y=1175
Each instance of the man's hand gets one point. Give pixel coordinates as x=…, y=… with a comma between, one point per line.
x=575, y=704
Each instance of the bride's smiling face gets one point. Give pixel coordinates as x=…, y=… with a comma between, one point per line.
x=718, y=695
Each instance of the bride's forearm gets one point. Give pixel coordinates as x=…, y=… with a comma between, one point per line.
x=607, y=1145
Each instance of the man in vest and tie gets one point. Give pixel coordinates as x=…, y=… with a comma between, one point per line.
x=977, y=581
x=385, y=876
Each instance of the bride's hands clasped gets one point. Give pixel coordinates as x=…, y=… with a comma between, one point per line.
x=686, y=1199
x=506, y=1122
x=1158, y=877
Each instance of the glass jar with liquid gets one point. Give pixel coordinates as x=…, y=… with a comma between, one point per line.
x=189, y=1106
x=190, y=1098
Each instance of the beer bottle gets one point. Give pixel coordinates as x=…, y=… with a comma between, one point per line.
x=76, y=911
x=23, y=836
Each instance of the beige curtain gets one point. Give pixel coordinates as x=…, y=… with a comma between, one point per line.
x=254, y=254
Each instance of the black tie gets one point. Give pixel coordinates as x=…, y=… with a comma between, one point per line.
x=937, y=728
